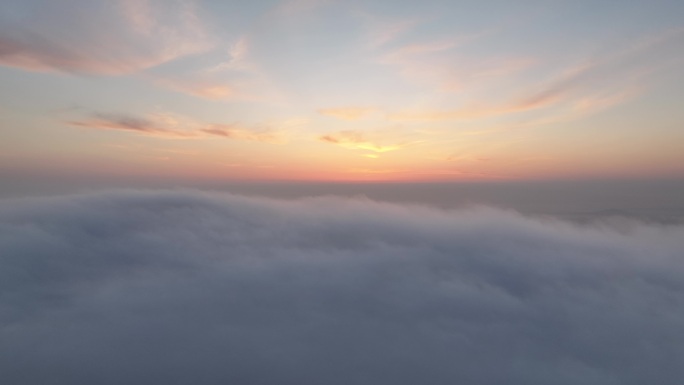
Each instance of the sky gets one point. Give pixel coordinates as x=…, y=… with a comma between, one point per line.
x=324, y=192
x=341, y=91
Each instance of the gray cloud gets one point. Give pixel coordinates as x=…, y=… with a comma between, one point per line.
x=180, y=287
x=124, y=123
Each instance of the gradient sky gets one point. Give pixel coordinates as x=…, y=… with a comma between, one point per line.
x=342, y=90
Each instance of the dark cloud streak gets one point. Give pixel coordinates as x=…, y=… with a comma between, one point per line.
x=170, y=127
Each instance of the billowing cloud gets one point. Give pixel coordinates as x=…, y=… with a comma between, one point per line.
x=100, y=37
x=188, y=287
x=171, y=126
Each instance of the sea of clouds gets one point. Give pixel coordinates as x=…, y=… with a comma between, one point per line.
x=188, y=287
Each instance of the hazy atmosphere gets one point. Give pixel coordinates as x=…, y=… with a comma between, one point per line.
x=315, y=192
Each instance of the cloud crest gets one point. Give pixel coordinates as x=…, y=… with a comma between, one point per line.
x=172, y=287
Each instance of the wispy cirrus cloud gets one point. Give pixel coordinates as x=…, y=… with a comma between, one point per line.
x=171, y=126
x=240, y=132
x=348, y=113
x=564, y=108
x=425, y=48
x=238, y=77
x=99, y=37
x=237, y=57
x=156, y=125
x=376, y=141
x=589, y=85
x=201, y=88
x=474, y=111
x=421, y=59
x=600, y=101
x=382, y=31
x=618, y=68
x=463, y=75
x=296, y=7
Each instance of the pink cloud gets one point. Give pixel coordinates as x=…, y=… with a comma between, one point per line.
x=348, y=113
x=376, y=141
x=110, y=38
x=169, y=126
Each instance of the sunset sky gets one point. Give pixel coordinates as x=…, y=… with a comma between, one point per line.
x=309, y=90
x=342, y=192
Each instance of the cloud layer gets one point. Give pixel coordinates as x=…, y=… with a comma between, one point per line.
x=187, y=287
